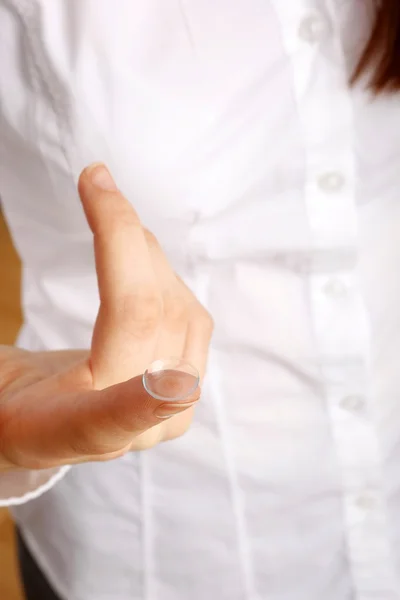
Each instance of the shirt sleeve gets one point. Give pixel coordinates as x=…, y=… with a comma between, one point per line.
x=19, y=487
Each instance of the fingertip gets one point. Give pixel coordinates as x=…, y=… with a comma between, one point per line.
x=97, y=175
x=91, y=167
x=94, y=184
x=84, y=176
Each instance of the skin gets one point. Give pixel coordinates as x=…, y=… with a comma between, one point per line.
x=76, y=406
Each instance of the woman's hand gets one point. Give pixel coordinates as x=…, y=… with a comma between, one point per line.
x=74, y=406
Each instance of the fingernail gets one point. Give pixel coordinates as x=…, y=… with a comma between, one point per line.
x=169, y=409
x=101, y=177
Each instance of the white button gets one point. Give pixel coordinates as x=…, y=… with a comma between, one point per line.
x=298, y=264
x=354, y=403
x=313, y=28
x=366, y=502
x=335, y=288
x=331, y=182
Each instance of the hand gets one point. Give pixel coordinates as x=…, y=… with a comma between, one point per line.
x=74, y=406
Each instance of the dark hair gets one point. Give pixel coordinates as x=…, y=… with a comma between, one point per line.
x=381, y=57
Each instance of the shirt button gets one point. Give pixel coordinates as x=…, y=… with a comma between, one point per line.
x=313, y=28
x=354, y=403
x=331, y=182
x=366, y=502
x=298, y=264
x=335, y=288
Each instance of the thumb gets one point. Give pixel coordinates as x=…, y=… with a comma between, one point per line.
x=47, y=427
x=128, y=407
x=108, y=421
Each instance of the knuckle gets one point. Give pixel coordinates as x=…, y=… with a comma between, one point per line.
x=82, y=444
x=119, y=221
x=17, y=370
x=113, y=455
x=205, y=320
x=148, y=439
x=175, y=309
x=150, y=238
x=139, y=445
x=89, y=441
x=178, y=426
x=86, y=442
x=141, y=313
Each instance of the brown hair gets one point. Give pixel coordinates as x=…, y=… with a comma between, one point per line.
x=381, y=57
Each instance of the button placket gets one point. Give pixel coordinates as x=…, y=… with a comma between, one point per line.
x=340, y=320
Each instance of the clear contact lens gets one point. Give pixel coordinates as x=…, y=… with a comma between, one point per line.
x=171, y=380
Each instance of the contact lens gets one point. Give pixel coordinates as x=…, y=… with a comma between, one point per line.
x=171, y=380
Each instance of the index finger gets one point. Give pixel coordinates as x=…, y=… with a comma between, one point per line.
x=122, y=256
x=125, y=333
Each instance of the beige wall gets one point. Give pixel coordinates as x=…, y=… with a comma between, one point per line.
x=10, y=319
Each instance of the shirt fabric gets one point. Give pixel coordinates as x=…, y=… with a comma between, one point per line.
x=274, y=188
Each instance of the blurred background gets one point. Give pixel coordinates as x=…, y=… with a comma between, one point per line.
x=10, y=321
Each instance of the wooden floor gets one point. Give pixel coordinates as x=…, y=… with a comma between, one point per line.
x=10, y=319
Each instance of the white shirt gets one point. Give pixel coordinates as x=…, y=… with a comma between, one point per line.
x=275, y=190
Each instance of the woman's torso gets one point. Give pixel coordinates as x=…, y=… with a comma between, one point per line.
x=275, y=190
